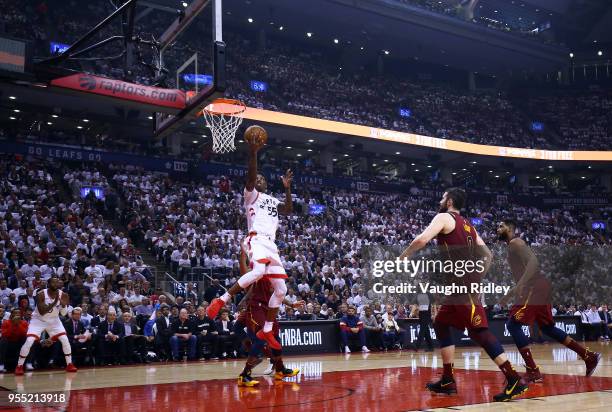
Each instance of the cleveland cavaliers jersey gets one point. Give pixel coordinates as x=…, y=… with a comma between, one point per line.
x=460, y=242
x=54, y=314
x=262, y=213
x=460, y=245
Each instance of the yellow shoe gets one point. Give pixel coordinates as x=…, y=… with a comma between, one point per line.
x=247, y=380
x=286, y=373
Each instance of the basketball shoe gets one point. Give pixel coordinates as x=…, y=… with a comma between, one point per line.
x=247, y=380
x=213, y=309
x=591, y=360
x=515, y=387
x=533, y=375
x=269, y=338
x=445, y=385
x=286, y=373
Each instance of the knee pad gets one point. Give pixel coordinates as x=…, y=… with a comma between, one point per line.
x=443, y=334
x=489, y=343
x=516, y=331
x=554, y=332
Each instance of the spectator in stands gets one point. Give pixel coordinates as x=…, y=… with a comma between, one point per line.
x=289, y=314
x=182, y=329
x=372, y=328
x=584, y=328
x=351, y=325
x=307, y=313
x=79, y=337
x=323, y=313
x=100, y=317
x=206, y=334
x=110, y=337
x=134, y=340
x=391, y=330
x=213, y=291
x=145, y=308
x=86, y=317
x=594, y=322
x=14, y=331
x=226, y=336
x=163, y=332
x=606, y=322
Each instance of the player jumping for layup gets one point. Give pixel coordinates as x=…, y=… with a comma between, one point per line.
x=262, y=212
x=457, y=238
x=49, y=302
x=533, y=303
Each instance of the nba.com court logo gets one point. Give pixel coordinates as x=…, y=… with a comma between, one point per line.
x=87, y=82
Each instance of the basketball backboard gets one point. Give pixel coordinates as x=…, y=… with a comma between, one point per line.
x=201, y=73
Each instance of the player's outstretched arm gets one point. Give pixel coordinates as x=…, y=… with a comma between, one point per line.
x=286, y=208
x=252, y=172
x=300, y=304
x=437, y=225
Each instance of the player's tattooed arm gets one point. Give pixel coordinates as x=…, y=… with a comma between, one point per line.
x=286, y=208
x=252, y=172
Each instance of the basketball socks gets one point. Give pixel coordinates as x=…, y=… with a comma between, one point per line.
x=251, y=362
x=277, y=361
x=226, y=297
x=526, y=354
x=578, y=348
x=509, y=371
x=267, y=327
x=448, y=371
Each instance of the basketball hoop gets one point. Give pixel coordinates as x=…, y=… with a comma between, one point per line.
x=223, y=117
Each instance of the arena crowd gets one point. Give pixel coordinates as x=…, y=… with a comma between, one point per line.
x=118, y=314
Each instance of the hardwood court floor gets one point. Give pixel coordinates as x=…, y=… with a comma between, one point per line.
x=391, y=381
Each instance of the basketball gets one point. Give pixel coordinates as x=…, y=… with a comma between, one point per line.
x=256, y=135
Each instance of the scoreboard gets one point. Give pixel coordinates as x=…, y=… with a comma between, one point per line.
x=13, y=55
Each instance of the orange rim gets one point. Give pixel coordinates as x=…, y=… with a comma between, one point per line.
x=218, y=106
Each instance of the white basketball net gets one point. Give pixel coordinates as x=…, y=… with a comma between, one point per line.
x=223, y=127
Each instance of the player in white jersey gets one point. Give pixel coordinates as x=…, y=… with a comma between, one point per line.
x=262, y=212
x=49, y=303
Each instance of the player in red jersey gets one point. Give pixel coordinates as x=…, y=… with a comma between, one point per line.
x=254, y=317
x=458, y=240
x=532, y=297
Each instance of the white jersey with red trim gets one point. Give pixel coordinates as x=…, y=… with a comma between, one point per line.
x=54, y=314
x=262, y=213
